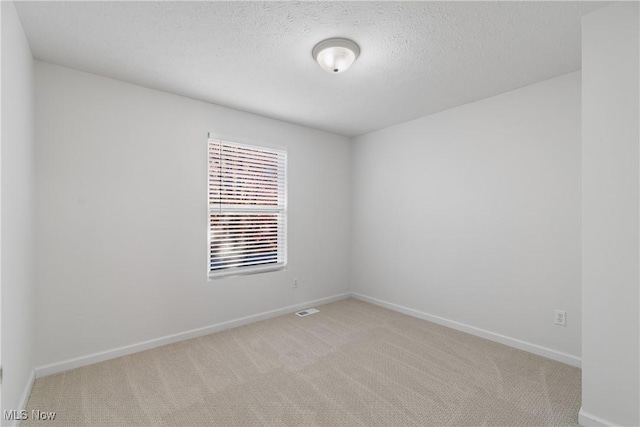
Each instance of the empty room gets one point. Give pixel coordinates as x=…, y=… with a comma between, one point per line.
x=320, y=213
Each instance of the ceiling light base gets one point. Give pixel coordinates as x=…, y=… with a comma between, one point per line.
x=336, y=55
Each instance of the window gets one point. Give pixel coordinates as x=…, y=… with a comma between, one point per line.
x=247, y=208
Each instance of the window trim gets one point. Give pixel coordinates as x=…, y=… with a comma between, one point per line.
x=283, y=211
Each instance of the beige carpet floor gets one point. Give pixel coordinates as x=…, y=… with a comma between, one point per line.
x=351, y=364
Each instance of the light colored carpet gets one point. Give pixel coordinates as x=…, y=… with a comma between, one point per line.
x=352, y=364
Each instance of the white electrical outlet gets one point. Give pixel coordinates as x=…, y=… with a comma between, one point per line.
x=295, y=282
x=560, y=317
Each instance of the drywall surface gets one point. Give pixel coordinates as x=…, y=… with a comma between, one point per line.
x=473, y=214
x=122, y=215
x=610, y=215
x=17, y=168
x=417, y=57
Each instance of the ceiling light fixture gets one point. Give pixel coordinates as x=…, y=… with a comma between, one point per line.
x=335, y=55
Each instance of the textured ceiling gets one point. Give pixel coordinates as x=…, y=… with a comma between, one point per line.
x=416, y=57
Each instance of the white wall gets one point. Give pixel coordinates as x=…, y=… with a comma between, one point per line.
x=473, y=215
x=17, y=168
x=610, y=212
x=122, y=215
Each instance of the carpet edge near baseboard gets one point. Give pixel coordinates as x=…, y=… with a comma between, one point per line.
x=586, y=419
x=482, y=333
x=102, y=356
x=89, y=359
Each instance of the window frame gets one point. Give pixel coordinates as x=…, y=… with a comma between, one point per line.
x=220, y=208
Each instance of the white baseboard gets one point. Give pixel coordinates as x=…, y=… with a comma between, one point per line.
x=24, y=399
x=586, y=419
x=89, y=359
x=492, y=336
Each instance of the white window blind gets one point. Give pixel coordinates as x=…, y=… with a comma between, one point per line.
x=247, y=208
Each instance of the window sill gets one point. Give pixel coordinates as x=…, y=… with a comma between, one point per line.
x=244, y=271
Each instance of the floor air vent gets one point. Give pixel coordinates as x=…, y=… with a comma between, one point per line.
x=307, y=312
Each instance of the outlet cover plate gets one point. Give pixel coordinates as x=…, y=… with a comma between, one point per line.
x=560, y=317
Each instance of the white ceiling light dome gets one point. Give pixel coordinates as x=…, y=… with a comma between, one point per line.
x=336, y=55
